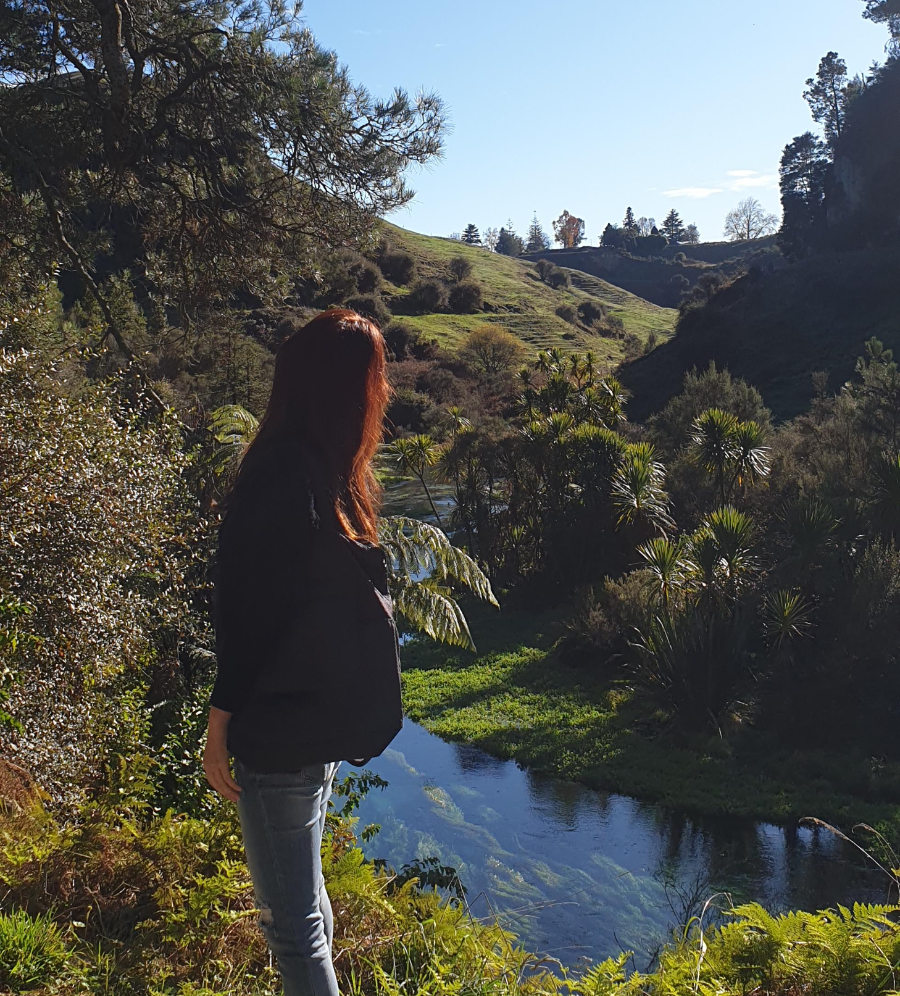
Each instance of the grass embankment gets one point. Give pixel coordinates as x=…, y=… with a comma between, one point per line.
x=521, y=303
x=519, y=700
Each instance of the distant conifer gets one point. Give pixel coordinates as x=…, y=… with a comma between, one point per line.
x=673, y=227
x=470, y=236
x=629, y=224
x=537, y=240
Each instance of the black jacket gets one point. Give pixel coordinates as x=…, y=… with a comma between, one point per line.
x=308, y=657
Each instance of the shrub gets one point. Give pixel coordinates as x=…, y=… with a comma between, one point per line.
x=371, y=306
x=544, y=268
x=466, y=296
x=567, y=313
x=397, y=266
x=590, y=312
x=460, y=268
x=493, y=353
x=680, y=257
x=558, y=278
x=401, y=339
x=97, y=532
x=367, y=276
x=428, y=296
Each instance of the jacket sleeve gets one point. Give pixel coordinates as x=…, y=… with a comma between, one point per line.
x=261, y=575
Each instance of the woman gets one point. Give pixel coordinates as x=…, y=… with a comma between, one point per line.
x=308, y=665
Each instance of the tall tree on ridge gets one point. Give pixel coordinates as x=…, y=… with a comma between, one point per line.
x=673, y=227
x=886, y=12
x=804, y=171
x=629, y=224
x=748, y=221
x=508, y=243
x=828, y=96
x=470, y=235
x=568, y=230
x=537, y=240
x=692, y=235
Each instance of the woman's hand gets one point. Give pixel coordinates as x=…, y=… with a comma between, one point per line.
x=215, y=755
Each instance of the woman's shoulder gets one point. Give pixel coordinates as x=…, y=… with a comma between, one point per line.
x=274, y=479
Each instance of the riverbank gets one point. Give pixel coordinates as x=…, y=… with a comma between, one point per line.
x=517, y=700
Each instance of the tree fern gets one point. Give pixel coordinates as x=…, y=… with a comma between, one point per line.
x=423, y=562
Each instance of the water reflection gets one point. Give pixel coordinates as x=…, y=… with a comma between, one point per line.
x=582, y=873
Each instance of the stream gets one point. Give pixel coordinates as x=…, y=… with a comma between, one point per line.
x=579, y=873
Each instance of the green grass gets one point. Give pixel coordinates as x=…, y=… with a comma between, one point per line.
x=522, y=304
x=519, y=700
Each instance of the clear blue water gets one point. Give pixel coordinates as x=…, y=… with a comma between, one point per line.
x=579, y=873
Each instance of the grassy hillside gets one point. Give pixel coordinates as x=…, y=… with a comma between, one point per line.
x=517, y=300
x=777, y=329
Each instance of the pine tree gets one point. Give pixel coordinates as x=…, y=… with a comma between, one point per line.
x=828, y=95
x=508, y=243
x=538, y=240
x=470, y=236
x=629, y=224
x=673, y=227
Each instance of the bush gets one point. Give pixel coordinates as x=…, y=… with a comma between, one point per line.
x=398, y=267
x=98, y=533
x=460, y=268
x=466, y=296
x=558, y=278
x=590, y=312
x=371, y=306
x=401, y=339
x=367, y=276
x=680, y=257
x=428, y=296
x=544, y=268
x=567, y=313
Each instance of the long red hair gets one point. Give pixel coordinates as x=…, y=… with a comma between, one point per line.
x=330, y=391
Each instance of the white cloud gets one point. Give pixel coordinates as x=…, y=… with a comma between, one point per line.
x=743, y=172
x=693, y=193
x=767, y=182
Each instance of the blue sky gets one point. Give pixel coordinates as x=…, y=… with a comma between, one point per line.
x=594, y=105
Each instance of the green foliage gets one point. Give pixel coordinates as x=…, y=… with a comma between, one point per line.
x=222, y=142
x=460, y=268
x=841, y=951
x=417, y=548
x=100, y=536
x=466, y=296
x=397, y=266
x=370, y=306
x=428, y=295
x=33, y=952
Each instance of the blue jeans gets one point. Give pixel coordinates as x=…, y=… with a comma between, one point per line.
x=282, y=819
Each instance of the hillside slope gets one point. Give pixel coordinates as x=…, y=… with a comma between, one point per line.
x=777, y=329
x=519, y=301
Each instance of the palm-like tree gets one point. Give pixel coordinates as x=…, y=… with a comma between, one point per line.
x=809, y=524
x=663, y=559
x=638, y=491
x=785, y=616
x=750, y=457
x=415, y=454
x=424, y=563
x=713, y=436
x=732, y=532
